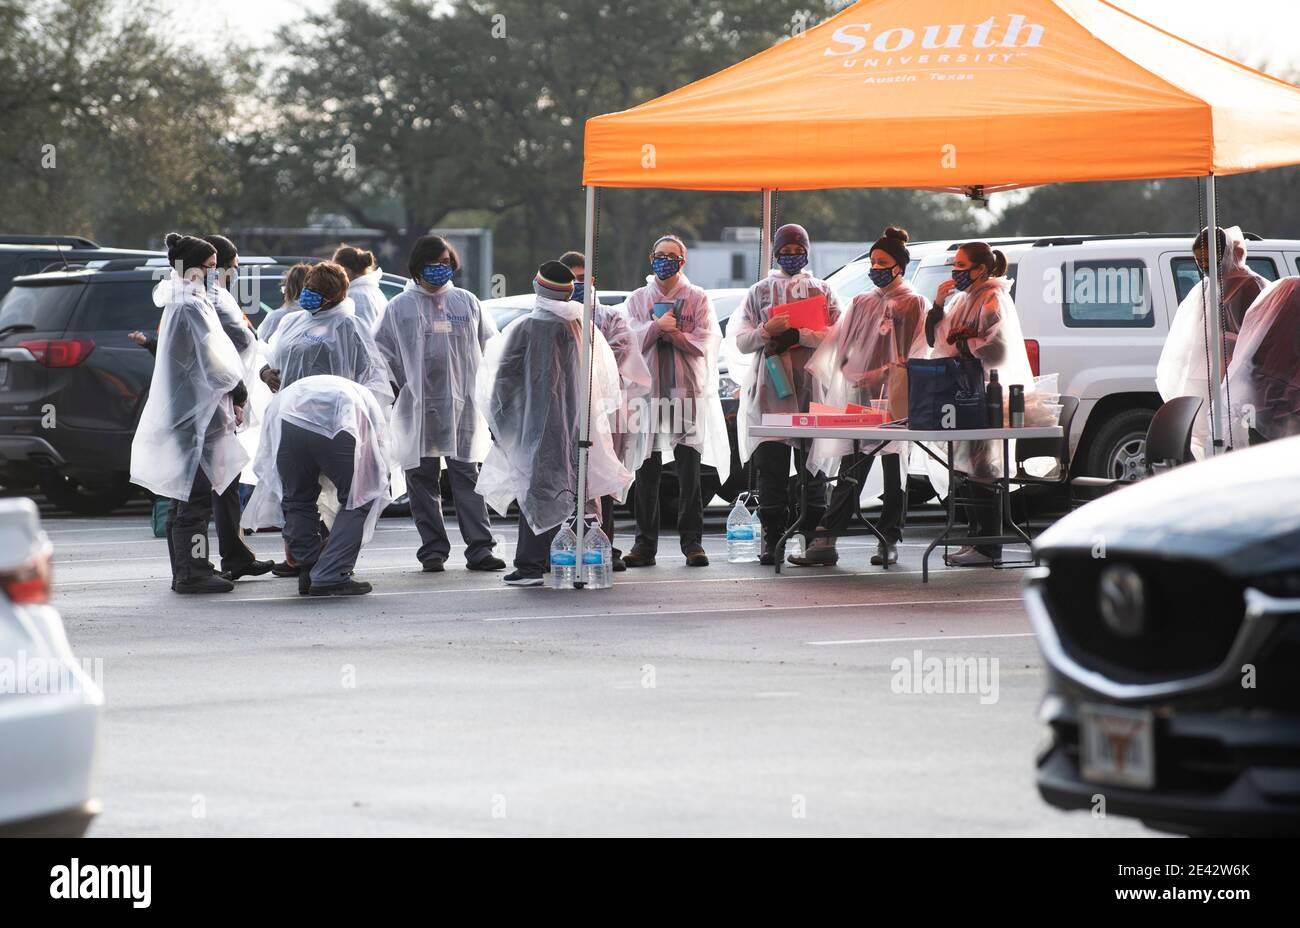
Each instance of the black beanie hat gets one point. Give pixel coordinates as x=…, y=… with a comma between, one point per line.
x=894, y=244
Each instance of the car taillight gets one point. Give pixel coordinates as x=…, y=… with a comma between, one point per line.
x=29, y=582
x=1031, y=349
x=59, y=352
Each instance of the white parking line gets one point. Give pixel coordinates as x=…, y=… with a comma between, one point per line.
x=761, y=608
x=928, y=637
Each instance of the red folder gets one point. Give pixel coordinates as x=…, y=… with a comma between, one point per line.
x=806, y=314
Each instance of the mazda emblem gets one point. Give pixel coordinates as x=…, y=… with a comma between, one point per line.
x=1121, y=600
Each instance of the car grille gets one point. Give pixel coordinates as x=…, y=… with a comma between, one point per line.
x=1193, y=614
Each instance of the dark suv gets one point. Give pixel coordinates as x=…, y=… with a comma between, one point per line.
x=34, y=254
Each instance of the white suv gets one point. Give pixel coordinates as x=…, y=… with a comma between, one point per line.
x=1096, y=310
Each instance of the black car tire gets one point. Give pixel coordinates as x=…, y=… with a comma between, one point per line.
x=1120, y=439
x=66, y=493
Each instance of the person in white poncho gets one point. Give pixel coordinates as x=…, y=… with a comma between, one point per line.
x=768, y=359
x=862, y=359
x=973, y=316
x=322, y=433
x=530, y=391
x=1183, y=368
x=432, y=338
x=185, y=447
x=291, y=287
x=364, y=275
x=1263, y=382
x=678, y=334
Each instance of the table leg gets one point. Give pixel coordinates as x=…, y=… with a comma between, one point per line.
x=779, y=553
x=945, y=535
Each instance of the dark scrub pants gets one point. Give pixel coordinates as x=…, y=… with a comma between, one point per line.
x=303, y=456
x=844, y=498
x=690, y=505
x=771, y=461
x=425, y=494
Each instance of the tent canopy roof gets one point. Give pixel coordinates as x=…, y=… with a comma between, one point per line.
x=955, y=94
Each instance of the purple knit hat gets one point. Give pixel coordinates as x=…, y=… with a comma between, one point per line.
x=790, y=234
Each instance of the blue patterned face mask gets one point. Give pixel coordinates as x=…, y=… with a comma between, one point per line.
x=882, y=277
x=437, y=274
x=792, y=264
x=962, y=279
x=310, y=300
x=579, y=291
x=666, y=267
x=212, y=278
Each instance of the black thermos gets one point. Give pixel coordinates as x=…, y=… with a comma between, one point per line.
x=1016, y=406
x=993, y=401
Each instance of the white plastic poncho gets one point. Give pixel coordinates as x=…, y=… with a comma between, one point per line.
x=986, y=309
x=1183, y=366
x=188, y=420
x=682, y=405
x=1264, y=376
x=330, y=341
x=369, y=299
x=240, y=331
x=433, y=344
x=613, y=323
x=743, y=351
x=880, y=329
x=326, y=405
x=274, y=318
x=530, y=390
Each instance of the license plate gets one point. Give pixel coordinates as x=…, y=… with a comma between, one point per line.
x=1117, y=746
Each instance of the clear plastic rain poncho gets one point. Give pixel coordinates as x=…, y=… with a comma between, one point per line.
x=330, y=341
x=682, y=405
x=1183, y=368
x=530, y=390
x=613, y=323
x=986, y=309
x=274, y=318
x=369, y=299
x=879, y=329
x=743, y=351
x=433, y=344
x=326, y=405
x=251, y=354
x=1264, y=377
x=188, y=420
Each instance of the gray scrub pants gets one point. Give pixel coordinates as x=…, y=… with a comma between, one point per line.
x=303, y=456
x=425, y=494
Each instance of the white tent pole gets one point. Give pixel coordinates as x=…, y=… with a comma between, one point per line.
x=1215, y=323
x=765, y=250
x=584, y=366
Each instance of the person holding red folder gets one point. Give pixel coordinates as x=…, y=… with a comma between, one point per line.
x=767, y=356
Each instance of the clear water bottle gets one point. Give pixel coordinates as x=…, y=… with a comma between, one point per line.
x=564, y=558
x=743, y=533
x=597, y=560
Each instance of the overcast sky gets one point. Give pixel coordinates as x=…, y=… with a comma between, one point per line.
x=1253, y=29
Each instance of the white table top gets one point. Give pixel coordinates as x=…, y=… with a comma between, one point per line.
x=879, y=433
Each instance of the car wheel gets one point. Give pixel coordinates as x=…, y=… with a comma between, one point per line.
x=1118, y=450
x=96, y=499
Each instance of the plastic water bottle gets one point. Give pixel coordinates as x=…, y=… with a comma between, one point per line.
x=597, y=560
x=564, y=558
x=743, y=533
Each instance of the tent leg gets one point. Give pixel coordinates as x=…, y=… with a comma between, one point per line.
x=1215, y=324
x=765, y=236
x=584, y=385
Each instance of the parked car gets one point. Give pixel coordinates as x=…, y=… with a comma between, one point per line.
x=853, y=278
x=49, y=715
x=1096, y=310
x=1168, y=614
x=31, y=254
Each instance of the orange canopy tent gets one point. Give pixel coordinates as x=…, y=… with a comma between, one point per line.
x=954, y=95
x=968, y=96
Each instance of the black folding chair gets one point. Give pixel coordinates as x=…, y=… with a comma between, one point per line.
x=1056, y=448
x=1168, y=444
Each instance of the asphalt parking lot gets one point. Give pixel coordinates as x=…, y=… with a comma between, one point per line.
x=721, y=700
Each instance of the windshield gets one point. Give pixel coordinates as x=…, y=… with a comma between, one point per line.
x=855, y=278
x=45, y=309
